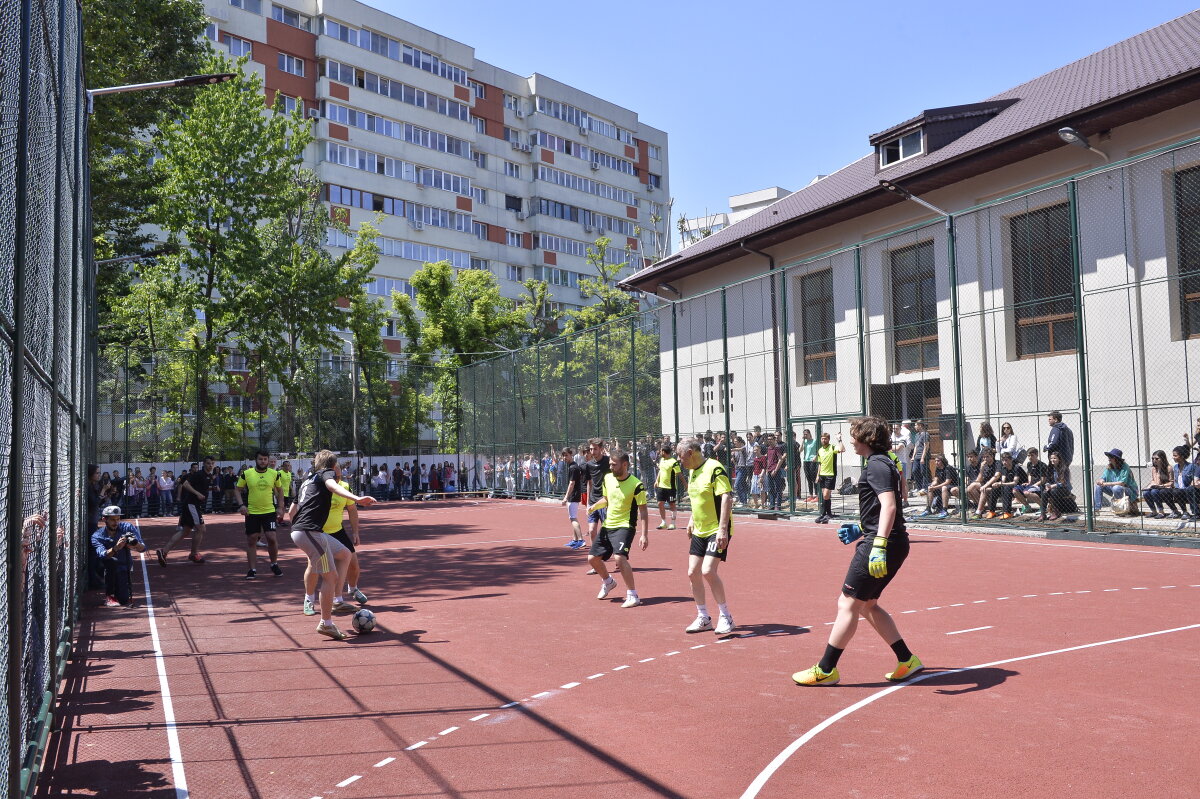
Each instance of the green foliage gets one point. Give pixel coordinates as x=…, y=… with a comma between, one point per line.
x=611, y=302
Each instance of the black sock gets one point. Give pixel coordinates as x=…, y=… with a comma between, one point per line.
x=830, y=659
x=901, y=650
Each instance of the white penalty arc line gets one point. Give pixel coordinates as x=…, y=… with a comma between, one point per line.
x=180, y=779
x=761, y=780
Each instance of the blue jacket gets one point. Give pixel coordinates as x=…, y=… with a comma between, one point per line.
x=1188, y=472
x=103, y=540
x=1062, y=441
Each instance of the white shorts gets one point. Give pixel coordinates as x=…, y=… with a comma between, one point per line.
x=322, y=549
x=572, y=510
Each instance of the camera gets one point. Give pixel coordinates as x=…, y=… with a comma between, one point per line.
x=131, y=540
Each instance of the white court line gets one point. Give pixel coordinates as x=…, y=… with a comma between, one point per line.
x=979, y=601
x=510, y=704
x=792, y=748
x=349, y=780
x=417, y=745
x=972, y=630
x=596, y=676
x=958, y=604
x=539, y=696
x=676, y=652
x=481, y=716
x=645, y=660
x=181, y=789
x=384, y=762
x=618, y=668
x=699, y=646
x=569, y=686
x=448, y=730
x=1098, y=546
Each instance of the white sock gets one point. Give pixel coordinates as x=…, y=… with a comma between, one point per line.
x=311, y=597
x=673, y=517
x=630, y=592
x=327, y=621
x=702, y=610
x=724, y=609
x=337, y=600
x=351, y=589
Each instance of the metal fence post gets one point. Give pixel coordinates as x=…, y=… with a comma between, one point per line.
x=862, y=332
x=675, y=362
x=633, y=431
x=789, y=435
x=956, y=345
x=1085, y=437
x=723, y=381
x=596, y=369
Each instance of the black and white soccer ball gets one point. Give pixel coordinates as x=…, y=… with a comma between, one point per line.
x=363, y=621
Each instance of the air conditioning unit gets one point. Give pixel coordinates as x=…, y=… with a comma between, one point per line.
x=516, y=145
x=521, y=215
x=595, y=164
x=314, y=113
x=649, y=187
x=587, y=228
x=416, y=224
x=528, y=148
x=583, y=131
x=520, y=114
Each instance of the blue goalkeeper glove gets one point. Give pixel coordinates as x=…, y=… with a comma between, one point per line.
x=877, y=563
x=849, y=533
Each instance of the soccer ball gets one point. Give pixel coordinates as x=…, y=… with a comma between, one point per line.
x=363, y=621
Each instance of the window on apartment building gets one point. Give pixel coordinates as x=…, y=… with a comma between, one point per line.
x=478, y=88
x=291, y=65
x=480, y=124
x=480, y=159
x=290, y=17
x=515, y=273
x=654, y=151
x=480, y=230
x=816, y=297
x=901, y=148
x=389, y=329
x=253, y=6
x=235, y=362
x=512, y=203
x=1042, y=275
x=654, y=181
x=725, y=393
x=512, y=102
x=237, y=47
x=1187, y=240
x=708, y=395
x=479, y=195
x=210, y=31
x=914, y=307
x=479, y=263
x=288, y=105
x=512, y=170
x=512, y=238
x=512, y=134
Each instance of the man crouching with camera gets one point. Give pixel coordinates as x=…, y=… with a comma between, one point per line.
x=113, y=543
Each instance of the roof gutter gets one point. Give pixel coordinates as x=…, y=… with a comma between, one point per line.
x=774, y=332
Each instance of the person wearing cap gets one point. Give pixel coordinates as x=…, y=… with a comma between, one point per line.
x=1117, y=480
x=113, y=544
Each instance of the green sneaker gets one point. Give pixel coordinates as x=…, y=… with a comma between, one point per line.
x=815, y=676
x=358, y=596
x=905, y=669
x=309, y=609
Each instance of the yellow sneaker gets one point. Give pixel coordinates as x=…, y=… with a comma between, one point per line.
x=662, y=526
x=905, y=670
x=815, y=676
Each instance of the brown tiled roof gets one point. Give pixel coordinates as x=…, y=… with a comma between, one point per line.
x=1161, y=54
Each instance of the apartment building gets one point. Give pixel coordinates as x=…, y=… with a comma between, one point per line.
x=466, y=161
x=741, y=206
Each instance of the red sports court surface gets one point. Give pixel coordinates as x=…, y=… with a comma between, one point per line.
x=1053, y=669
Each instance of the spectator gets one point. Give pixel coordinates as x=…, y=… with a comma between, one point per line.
x=95, y=501
x=1158, y=492
x=1184, y=487
x=1193, y=443
x=1060, y=499
x=1029, y=492
x=758, y=493
x=117, y=494
x=113, y=542
x=1010, y=444
x=776, y=460
x=1008, y=476
x=1060, y=440
x=1116, y=482
x=228, y=480
x=978, y=489
x=943, y=486
x=901, y=441
x=808, y=454
x=970, y=476
x=920, y=458
x=166, y=493
x=743, y=459
x=379, y=483
x=986, y=438
x=152, y=502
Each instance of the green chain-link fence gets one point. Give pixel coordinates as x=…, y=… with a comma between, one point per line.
x=1080, y=297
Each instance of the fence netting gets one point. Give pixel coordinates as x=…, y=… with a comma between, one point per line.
x=44, y=372
x=1036, y=356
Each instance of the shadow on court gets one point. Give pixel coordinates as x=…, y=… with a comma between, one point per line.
x=950, y=682
x=108, y=778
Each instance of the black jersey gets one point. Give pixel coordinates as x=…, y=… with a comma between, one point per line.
x=595, y=472
x=575, y=481
x=879, y=476
x=314, y=501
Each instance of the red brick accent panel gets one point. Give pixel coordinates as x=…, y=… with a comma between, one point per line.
x=490, y=107
x=631, y=242
x=393, y=345
x=339, y=91
x=293, y=41
x=631, y=211
x=643, y=161
x=550, y=257
x=463, y=204
x=630, y=153
x=342, y=302
x=462, y=93
x=496, y=234
x=527, y=241
x=339, y=132
x=339, y=213
x=547, y=156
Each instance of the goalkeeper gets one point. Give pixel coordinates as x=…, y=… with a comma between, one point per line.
x=877, y=557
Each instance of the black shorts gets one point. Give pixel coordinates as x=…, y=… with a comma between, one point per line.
x=707, y=547
x=827, y=481
x=190, y=515
x=260, y=523
x=859, y=582
x=664, y=494
x=344, y=537
x=610, y=540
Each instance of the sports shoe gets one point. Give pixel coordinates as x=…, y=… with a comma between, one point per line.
x=309, y=608
x=331, y=630
x=905, y=669
x=251, y=574
x=661, y=526
x=162, y=557
x=975, y=517
x=343, y=607
x=275, y=570
x=194, y=558
x=261, y=543
x=358, y=596
x=1005, y=515
x=1026, y=509
x=580, y=544
x=592, y=571
x=989, y=515
x=670, y=526
x=700, y=625
x=941, y=515
x=609, y=585
x=815, y=676
x=725, y=626
x=111, y=602
x=924, y=514
x=631, y=601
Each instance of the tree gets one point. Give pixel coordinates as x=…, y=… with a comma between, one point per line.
x=611, y=301
x=226, y=169
x=125, y=43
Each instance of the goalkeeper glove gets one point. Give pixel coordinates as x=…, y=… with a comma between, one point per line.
x=849, y=533
x=877, y=564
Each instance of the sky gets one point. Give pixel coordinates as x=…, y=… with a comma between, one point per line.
x=754, y=94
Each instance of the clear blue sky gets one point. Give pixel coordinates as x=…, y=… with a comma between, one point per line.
x=756, y=93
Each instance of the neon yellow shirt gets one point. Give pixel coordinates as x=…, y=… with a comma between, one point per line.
x=827, y=457
x=707, y=483
x=668, y=473
x=260, y=488
x=285, y=482
x=622, y=495
x=333, y=522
